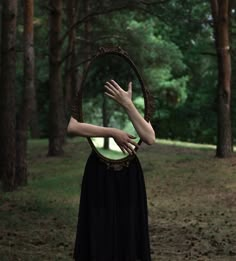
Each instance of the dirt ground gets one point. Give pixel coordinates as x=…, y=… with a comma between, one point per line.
x=192, y=204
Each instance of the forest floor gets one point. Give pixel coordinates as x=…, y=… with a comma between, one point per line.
x=191, y=204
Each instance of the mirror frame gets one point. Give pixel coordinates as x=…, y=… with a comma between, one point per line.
x=77, y=108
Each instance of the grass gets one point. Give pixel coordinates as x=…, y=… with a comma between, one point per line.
x=114, y=151
x=191, y=203
x=187, y=144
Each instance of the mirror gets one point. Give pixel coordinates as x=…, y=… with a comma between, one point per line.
x=98, y=109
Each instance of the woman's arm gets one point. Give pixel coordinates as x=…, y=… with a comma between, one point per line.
x=87, y=130
x=143, y=128
x=123, y=139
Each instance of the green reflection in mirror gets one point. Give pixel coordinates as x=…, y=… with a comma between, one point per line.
x=98, y=109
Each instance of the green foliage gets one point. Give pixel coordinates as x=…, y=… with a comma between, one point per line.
x=99, y=109
x=139, y=104
x=190, y=29
x=161, y=62
x=172, y=45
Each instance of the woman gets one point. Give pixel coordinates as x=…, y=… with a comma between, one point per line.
x=113, y=219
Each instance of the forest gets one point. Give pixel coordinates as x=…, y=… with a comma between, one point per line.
x=185, y=53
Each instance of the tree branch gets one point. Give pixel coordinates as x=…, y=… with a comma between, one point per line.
x=208, y=53
x=65, y=57
x=110, y=37
x=93, y=14
x=154, y=3
x=111, y=10
x=79, y=64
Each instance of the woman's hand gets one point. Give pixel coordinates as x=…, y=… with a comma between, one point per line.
x=124, y=98
x=114, y=91
x=124, y=141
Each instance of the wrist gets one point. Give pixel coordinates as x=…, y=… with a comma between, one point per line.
x=129, y=105
x=111, y=132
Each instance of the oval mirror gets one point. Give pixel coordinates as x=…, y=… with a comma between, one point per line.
x=98, y=109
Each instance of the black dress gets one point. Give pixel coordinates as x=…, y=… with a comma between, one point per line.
x=113, y=215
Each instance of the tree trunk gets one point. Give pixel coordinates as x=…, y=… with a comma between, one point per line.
x=56, y=104
x=71, y=74
x=87, y=34
x=7, y=95
x=34, y=120
x=28, y=94
x=220, y=13
x=0, y=36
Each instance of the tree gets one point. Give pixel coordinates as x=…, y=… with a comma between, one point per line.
x=87, y=32
x=233, y=51
x=189, y=27
x=220, y=14
x=0, y=33
x=56, y=104
x=71, y=74
x=24, y=115
x=7, y=94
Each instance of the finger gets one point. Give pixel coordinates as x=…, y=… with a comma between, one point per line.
x=114, y=83
x=125, y=151
x=110, y=90
x=110, y=95
x=112, y=87
x=122, y=149
x=130, y=87
x=129, y=149
x=131, y=136
x=134, y=143
x=132, y=147
x=132, y=151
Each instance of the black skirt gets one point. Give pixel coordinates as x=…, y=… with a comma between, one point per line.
x=113, y=215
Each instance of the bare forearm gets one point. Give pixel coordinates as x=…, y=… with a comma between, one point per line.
x=124, y=98
x=122, y=139
x=143, y=128
x=87, y=130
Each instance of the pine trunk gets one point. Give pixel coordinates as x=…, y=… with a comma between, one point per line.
x=0, y=35
x=87, y=34
x=7, y=94
x=34, y=121
x=56, y=104
x=28, y=94
x=71, y=75
x=220, y=12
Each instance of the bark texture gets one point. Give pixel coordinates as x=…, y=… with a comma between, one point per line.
x=220, y=13
x=56, y=104
x=87, y=34
x=71, y=74
x=7, y=94
x=28, y=94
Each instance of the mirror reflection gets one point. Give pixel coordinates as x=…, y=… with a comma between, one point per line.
x=99, y=109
